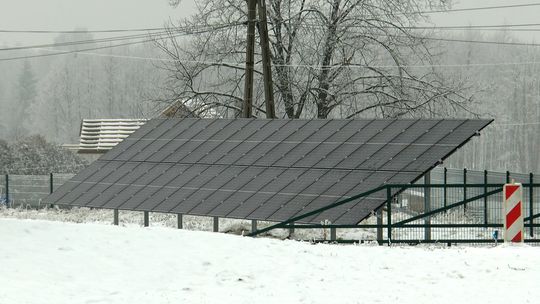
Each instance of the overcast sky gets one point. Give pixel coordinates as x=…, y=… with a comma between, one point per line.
x=118, y=14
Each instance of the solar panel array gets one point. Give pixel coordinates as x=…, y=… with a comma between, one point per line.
x=263, y=169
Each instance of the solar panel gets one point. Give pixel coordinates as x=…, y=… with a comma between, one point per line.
x=264, y=169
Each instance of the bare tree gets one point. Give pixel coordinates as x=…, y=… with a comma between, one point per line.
x=357, y=56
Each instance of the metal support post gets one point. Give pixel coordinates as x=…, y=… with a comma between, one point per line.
x=333, y=234
x=291, y=230
x=445, y=189
x=427, y=206
x=216, y=224
x=146, y=219
x=389, y=214
x=8, y=204
x=253, y=225
x=531, y=203
x=115, y=221
x=465, y=188
x=180, y=220
x=485, y=197
x=507, y=177
x=378, y=214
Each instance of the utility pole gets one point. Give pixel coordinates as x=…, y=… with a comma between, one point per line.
x=250, y=59
x=266, y=61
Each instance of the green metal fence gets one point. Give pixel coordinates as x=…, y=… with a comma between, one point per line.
x=466, y=210
x=28, y=191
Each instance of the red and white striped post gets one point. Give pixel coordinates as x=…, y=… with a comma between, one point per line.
x=513, y=212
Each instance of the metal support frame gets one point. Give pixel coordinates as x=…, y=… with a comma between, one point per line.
x=180, y=221
x=115, y=217
x=291, y=230
x=216, y=224
x=146, y=218
x=333, y=234
x=253, y=225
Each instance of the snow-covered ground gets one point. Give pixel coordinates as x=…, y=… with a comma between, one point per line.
x=57, y=262
x=198, y=223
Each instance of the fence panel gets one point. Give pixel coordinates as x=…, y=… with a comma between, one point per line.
x=473, y=221
x=28, y=191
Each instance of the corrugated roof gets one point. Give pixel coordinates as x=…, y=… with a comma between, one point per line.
x=100, y=135
x=264, y=169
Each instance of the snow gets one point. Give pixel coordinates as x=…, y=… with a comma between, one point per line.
x=57, y=262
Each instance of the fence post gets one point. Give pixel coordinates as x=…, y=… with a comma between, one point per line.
x=445, y=189
x=427, y=206
x=8, y=204
x=485, y=197
x=389, y=213
x=378, y=214
x=464, y=188
x=51, y=187
x=531, y=203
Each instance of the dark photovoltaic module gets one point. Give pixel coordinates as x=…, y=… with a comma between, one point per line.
x=261, y=169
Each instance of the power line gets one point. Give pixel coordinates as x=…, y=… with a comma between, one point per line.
x=187, y=31
x=84, y=31
x=352, y=66
x=77, y=51
x=119, y=38
x=480, y=41
x=461, y=27
x=480, y=8
x=449, y=27
x=437, y=38
x=206, y=28
x=77, y=42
